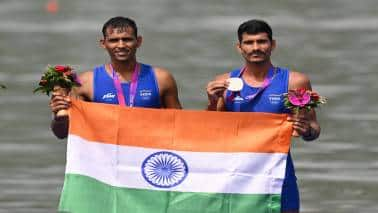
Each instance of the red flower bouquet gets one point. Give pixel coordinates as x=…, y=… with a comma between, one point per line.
x=57, y=77
x=60, y=79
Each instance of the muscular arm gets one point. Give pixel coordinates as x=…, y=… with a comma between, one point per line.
x=59, y=125
x=307, y=126
x=167, y=89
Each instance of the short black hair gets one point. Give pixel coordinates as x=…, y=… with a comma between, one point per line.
x=120, y=22
x=254, y=26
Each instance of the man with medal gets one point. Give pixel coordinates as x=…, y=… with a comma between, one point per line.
x=123, y=81
x=259, y=86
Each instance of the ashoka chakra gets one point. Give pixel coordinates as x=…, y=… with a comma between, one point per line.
x=164, y=169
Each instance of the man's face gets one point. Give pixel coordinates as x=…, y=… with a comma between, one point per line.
x=121, y=43
x=256, y=48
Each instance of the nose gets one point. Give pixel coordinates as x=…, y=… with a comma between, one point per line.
x=121, y=43
x=255, y=46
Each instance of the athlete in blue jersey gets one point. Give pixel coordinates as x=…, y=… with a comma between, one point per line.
x=262, y=91
x=122, y=81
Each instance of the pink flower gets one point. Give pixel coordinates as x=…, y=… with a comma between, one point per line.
x=299, y=97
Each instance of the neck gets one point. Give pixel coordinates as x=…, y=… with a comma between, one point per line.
x=257, y=72
x=123, y=69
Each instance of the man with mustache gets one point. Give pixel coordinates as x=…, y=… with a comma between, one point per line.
x=263, y=86
x=123, y=80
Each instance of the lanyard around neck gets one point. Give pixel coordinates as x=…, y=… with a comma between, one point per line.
x=133, y=86
x=267, y=81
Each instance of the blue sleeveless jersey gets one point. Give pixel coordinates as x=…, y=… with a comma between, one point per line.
x=269, y=100
x=147, y=93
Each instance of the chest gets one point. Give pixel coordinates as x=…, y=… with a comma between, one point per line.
x=145, y=94
x=250, y=99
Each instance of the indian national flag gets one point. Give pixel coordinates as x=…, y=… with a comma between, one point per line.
x=139, y=160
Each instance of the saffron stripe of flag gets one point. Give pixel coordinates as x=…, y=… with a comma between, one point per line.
x=184, y=130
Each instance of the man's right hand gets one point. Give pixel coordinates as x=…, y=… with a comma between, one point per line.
x=59, y=124
x=215, y=90
x=59, y=102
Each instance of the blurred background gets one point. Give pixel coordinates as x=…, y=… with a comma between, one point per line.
x=333, y=41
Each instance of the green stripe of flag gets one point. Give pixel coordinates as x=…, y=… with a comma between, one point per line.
x=89, y=195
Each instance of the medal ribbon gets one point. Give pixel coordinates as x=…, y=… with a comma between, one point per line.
x=133, y=86
x=267, y=81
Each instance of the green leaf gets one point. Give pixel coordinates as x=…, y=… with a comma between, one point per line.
x=37, y=89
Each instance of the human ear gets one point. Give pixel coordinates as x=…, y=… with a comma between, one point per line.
x=102, y=43
x=139, y=41
x=238, y=47
x=273, y=44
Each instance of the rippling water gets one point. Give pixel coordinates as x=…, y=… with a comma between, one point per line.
x=333, y=41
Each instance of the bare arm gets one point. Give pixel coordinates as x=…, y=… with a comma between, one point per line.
x=167, y=89
x=59, y=124
x=306, y=125
x=216, y=91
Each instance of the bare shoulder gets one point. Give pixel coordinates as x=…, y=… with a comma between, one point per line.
x=298, y=80
x=86, y=76
x=164, y=77
x=162, y=73
x=85, y=91
x=167, y=88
